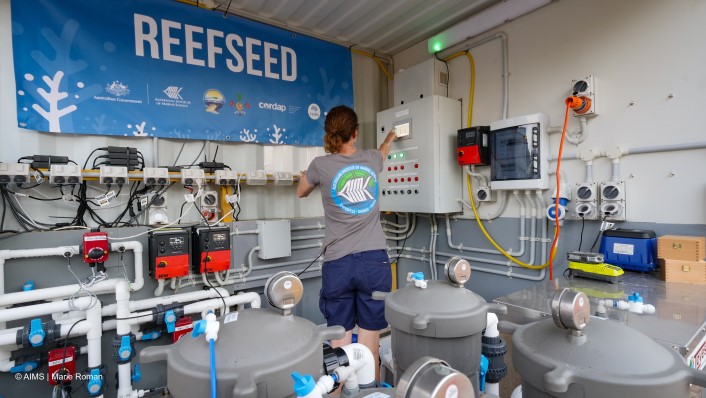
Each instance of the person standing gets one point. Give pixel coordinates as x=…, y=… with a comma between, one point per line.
x=355, y=256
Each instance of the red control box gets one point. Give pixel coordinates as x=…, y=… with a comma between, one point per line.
x=211, y=249
x=182, y=327
x=472, y=146
x=95, y=247
x=62, y=367
x=170, y=253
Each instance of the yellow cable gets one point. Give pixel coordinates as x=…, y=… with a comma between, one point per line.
x=376, y=59
x=490, y=239
x=472, y=85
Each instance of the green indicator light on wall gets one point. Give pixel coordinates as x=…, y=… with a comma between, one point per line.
x=394, y=156
x=437, y=46
x=401, y=155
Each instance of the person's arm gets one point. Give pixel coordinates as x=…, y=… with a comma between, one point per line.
x=304, y=188
x=385, y=146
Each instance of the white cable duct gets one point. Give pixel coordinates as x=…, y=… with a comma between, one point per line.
x=639, y=150
x=409, y=233
x=499, y=210
x=540, y=202
x=432, y=268
x=533, y=225
x=589, y=171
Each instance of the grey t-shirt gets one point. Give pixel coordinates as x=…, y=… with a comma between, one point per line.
x=349, y=192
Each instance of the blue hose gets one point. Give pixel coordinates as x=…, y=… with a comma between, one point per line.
x=212, y=344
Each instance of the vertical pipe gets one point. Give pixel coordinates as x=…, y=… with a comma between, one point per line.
x=155, y=152
x=212, y=346
x=589, y=171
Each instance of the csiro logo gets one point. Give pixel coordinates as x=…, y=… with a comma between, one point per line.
x=355, y=189
x=314, y=111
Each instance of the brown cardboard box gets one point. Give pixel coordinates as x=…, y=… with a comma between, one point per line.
x=682, y=271
x=676, y=247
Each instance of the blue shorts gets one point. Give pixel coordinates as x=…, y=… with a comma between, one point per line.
x=347, y=285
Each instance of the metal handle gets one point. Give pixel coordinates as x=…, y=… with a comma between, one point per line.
x=333, y=333
x=380, y=295
x=497, y=308
x=154, y=354
x=507, y=327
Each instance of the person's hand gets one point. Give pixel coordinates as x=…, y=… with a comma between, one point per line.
x=391, y=136
x=302, y=175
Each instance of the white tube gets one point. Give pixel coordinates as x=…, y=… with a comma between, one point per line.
x=492, y=389
x=8, y=336
x=615, y=170
x=38, y=310
x=491, y=328
x=589, y=171
x=581, y=132
x=409, y=233
x=94, y=334
x=362, y=360
x=160, y=287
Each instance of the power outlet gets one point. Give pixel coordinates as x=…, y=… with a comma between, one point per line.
x=613, y=205
x=484, y=194
x=256, y=177
x=113, y=175
x=226, y=177
x=156, y=176
x=193, y=176
x=14, y=172
x=157, y=212
x=586, y=87
x=65, y=174
x=585, y=205
x=284, y=178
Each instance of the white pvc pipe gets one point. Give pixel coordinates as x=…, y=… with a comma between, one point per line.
x=361, y=359
x=589, y=171
x=409, y=233
x=38, y=310
x=139, y=305
x=642, y=150
x=615, y=170
x=491, y=328
x=102, y=287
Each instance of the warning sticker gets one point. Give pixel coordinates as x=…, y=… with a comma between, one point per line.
x=622, y=248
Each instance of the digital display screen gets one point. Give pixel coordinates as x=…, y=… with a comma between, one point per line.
x=176, y=241
x=219, y=237
x=402, y=130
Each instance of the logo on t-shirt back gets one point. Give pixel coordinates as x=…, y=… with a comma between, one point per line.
x=355, y=189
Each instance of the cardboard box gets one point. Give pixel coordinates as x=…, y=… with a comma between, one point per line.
x=683, y=271
x=676, y=247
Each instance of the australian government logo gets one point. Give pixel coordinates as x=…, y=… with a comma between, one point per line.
x=117, y=91
x=173, y=98
x=355, y=189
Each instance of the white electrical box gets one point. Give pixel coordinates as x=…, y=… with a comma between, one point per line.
x=274, y=238
x=518, y=153
x=423, y=80
x=421, y=173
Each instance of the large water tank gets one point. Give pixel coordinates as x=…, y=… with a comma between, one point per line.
x=256, y=351
x=603, y=359
x=443, y=320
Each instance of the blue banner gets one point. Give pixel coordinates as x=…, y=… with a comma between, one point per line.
x=159, y=68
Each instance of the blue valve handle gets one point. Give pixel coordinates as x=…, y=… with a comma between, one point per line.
x=170, y=320
x=303, y=384
x=199, y=328
x=95, y=385
x=484, y=364
x=136, y=374
x=36, y=333
x=154, y=335
x=418, y=276
x=24, y=367
x=29, y=285
x=125, y=349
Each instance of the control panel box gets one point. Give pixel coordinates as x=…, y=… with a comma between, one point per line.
x=274, y=238
x=62, y=365
x=211, y=249
x=473, y=146
x=170, y=253
x=423, y=80
x=421, y=173
x=518, y=153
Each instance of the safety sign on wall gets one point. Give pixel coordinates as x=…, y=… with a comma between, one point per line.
x=160, y=68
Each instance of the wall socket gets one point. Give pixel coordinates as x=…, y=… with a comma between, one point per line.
x=113, y=175
x=256, y=177
x=484, y=194
x=193, y=176
x=283, y=178
x=585, y=204
x=14, y=172
x=65, y=174
x=156, y=176
x=226, y=177
x=613, y=205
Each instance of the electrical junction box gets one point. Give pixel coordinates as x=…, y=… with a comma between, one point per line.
x=183, y=326
x=226, y=177
x=193, y=176
x=170, y=253
x=65, y=174
x=274, y=238
x=421, y=173
x=112, y=175
x=518, y=153
x=14, y=172
x=283, y=178
x=211, y=249
x=156, y=176
x=95, y=247
x=585, y=88
x=256, y=177
x=62, y=365
x=473, y=146
x=423, y=80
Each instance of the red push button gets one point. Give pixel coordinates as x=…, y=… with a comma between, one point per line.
x=416, y=178
x=395, y=179
x=389, y=180
x=409, y=178
x=389, y=169
x=402, y=167
x=395, y=167
x=416, y=166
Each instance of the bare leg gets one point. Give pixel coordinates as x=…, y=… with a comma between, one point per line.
x=344, y=341
x=371, y=339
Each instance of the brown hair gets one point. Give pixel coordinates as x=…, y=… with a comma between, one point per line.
x=340, y=125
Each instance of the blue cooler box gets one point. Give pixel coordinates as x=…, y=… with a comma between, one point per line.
x=630, y=249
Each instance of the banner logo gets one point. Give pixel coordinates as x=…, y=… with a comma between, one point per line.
x=117, y=89
x=355, y=189
x=173, y=92
x=214, y=101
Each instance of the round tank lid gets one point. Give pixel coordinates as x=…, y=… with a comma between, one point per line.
x=457, y=271
x=571, y=310
x=284, y=290
x=433, y=378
